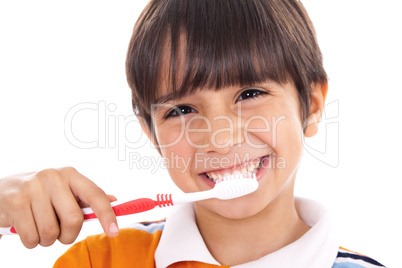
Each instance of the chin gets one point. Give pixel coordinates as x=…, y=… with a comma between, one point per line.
x=234, y=209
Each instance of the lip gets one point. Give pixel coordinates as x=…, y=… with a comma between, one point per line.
x=264, y=164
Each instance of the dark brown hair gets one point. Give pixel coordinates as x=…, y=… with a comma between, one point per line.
x=227, y=43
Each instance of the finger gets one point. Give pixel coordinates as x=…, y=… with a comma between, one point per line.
x=24, y=224
x=89, y=193
x=69, y=214
x=82, y=204
x=112, y=198
x=46, y=221
x=16, y=211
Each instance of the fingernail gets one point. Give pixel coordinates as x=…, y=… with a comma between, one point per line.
x=113, y=229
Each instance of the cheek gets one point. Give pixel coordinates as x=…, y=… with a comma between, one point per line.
x=271, y=126
x=258, y=132
x=169, y=136
x=178, y=155
x=280, y=128
x=178, y=159
x=287, y=136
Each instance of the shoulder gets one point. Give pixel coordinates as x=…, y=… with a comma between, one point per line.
x=351, y=259
x=133, y=247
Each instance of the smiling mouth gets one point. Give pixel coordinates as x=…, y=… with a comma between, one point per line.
x=246, y=168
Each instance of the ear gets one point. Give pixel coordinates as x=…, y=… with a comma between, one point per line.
x=318, y=95
x=147, y=130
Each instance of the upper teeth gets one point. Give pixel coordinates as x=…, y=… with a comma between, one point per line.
x=248, y=168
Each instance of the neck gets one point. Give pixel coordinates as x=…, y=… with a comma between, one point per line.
x=236, y=241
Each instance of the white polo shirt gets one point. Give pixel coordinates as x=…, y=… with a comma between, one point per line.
x=182, y=241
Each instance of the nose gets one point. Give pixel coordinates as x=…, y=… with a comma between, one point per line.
x=225, y=133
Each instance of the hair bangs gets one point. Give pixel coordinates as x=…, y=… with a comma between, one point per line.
x=222, y=46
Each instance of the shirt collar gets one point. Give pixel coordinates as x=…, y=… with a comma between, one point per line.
x=182, y=241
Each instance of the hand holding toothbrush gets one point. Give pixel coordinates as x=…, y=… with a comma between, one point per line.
x=46, y=206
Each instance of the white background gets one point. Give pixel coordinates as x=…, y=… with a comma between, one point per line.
x=55, y=55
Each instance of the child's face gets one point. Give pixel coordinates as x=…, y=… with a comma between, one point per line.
x=211, y=133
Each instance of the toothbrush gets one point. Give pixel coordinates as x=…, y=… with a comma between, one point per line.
x=228, y=187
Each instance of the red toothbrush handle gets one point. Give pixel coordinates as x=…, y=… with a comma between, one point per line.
x=137, y=206
x=127, y=208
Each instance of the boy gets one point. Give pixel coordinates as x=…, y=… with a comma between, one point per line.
x=229, y=87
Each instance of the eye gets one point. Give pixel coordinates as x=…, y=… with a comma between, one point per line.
x=180, y=110
x=250, y=94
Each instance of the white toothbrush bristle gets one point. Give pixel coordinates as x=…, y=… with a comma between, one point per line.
x=236, y=185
